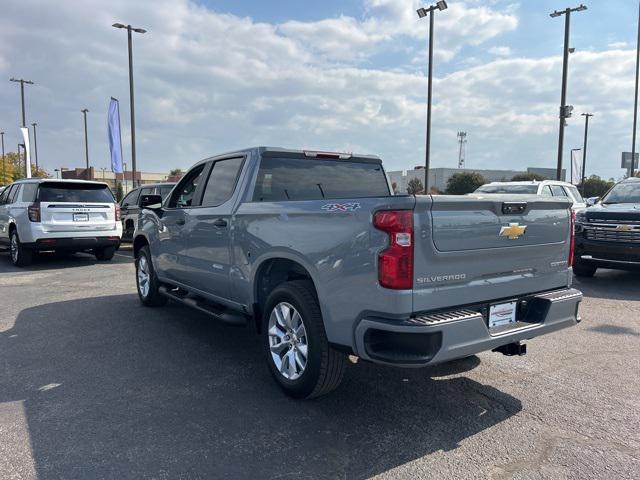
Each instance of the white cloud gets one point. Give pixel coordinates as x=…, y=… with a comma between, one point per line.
x=207, y=82
x=500, y=51
x=617, y=45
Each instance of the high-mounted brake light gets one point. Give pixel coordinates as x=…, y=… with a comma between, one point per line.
x=395, y=263
x=117, y=207
x=572, y=238
x=34, y=212
x=336, y=155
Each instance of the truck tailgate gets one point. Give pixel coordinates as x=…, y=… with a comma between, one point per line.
x=483, y=248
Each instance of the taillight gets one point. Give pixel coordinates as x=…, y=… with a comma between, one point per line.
x=34, y=212
x=572, y=239
x=117, y=207
x=395, y=264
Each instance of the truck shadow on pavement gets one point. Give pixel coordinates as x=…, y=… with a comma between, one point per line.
x=111, y=389
x=610, y=284
x=50, y=261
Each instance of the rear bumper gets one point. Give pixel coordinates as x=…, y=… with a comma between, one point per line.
x=73, y=243
x=615, y=255
x=437, y=338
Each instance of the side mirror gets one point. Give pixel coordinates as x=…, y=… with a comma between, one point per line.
x=591, y=201
x=150, y=201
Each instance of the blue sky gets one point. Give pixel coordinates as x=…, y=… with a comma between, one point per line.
x=339, y=75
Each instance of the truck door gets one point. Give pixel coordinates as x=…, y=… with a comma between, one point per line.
x=184, y=198
x=207, y=234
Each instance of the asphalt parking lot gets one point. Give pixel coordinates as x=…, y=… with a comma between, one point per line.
x=93, y=385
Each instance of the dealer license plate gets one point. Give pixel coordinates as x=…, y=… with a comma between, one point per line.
x=80, y=217
x=502, y=314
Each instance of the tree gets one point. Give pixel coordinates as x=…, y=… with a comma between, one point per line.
x=176, y=172
x=464, y=182
x=594, y=186
x=415, y=187
x=528, y=177
x=14, y=169
x=119, y=192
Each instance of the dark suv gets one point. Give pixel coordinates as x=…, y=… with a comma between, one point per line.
x=130, y=205
x=608, y=233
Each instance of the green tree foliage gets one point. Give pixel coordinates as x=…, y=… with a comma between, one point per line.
x=415, y=187
x=464, y=182
x=119, y=192
x=528, y=177
x=594, y=186
x=176, y=172
x=14, y=169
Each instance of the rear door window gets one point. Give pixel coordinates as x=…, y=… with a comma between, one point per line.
x=558, y=191
x=282, y=179
x=546, y=191
x=52, y=192
x=5, y=195
x=222, y=182
x=13, y=194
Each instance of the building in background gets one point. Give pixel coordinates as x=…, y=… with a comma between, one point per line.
x=438, y=177
x=111, y=178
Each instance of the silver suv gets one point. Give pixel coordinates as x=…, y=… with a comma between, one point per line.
x=543, y=188
x=60, y=215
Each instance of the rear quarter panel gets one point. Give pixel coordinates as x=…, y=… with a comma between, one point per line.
x=338, y=248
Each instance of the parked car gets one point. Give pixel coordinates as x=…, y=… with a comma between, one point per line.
x=544, y=188
x=314, y=250
x=60, y=215
x=130, y=207
x=608, y=233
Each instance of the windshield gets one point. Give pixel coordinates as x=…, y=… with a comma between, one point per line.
x=623, y=193
x=515, y=189
x=74, y=192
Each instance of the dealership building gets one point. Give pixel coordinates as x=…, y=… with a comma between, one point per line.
x=438, y=177
x=112, y=179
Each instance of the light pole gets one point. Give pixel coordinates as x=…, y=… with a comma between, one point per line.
x=86, y=142
x=4, y=172
x=565, y=112
x=584, y=147
x=130, y=29
x=635, y=105
x=422, y=12
x=22, y=82
x=35, y=143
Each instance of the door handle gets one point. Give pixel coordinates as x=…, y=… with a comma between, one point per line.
x=180, y=221
x=221, y=222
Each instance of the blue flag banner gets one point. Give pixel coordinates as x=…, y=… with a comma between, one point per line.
x=115, y=142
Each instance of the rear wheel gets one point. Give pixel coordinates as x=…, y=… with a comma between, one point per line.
x=295, y=343
x=582, y=270
x=147, y=281
x=20, y=256
x=104, y=253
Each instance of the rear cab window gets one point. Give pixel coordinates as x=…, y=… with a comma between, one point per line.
x=61, y=192
x=29, y=191
x=296, y=179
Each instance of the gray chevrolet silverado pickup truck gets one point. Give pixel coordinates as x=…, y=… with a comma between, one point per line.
x=315, y=251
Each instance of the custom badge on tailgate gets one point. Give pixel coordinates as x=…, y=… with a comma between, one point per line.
x=513, y=231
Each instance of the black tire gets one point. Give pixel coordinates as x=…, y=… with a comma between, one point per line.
x=19, y=256
x=153, y=297
x=325, y=366
x=582, y=270
x=104, y=253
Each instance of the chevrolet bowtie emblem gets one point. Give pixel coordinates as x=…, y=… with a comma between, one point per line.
x=625, y=228
x=513, y=231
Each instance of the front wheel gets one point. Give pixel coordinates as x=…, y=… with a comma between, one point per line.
x=581, y=270
x=146, y=280
x=295, y=343
x=20, y=256
x=104, y=253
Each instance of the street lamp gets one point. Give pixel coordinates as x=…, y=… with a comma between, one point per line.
x=422, y=12
x=4, y=172
x=635, y=104
x=584, y=147
x=130, y=29
x=564, y=111
x=35, y=143
x=86, y=142
x=22, y=82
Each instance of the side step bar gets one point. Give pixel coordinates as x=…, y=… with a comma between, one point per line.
x=219, y=313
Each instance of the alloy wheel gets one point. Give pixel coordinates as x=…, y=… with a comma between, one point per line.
x=288, y=341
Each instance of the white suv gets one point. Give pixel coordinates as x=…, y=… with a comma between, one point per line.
x=61, y=215
x=545, y=188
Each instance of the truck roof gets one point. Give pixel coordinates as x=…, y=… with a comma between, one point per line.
x=300, y=153
x=59, y=180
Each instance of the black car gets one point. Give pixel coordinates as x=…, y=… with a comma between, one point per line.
x=130, y=205
x=608, y=233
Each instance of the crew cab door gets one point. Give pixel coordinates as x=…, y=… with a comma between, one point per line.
x=207, y=234
x=173, y=224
